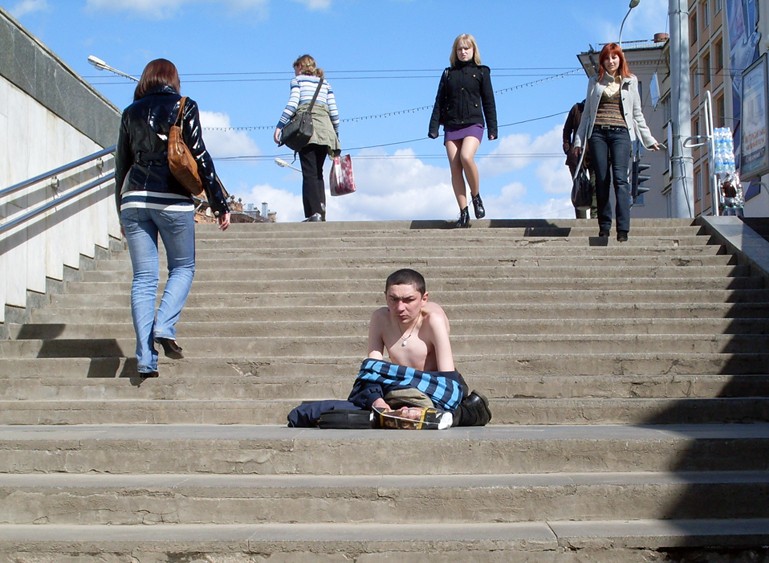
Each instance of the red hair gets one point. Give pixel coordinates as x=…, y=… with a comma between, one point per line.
x=613, y=49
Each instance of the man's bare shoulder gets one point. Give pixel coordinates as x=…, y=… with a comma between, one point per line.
x=435, y=315
x=432, y=308
x=379, y=315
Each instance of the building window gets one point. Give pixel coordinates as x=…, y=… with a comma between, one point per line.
x=697, y=185
x=693, y=28
x=718, y=6
x=706, y=69
x=719, y=111
x=718, y=51
x=705, y=11
x=694, y=77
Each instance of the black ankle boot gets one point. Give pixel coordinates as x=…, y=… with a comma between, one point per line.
x=464, y=219
x=480, y=212
x=473, y=411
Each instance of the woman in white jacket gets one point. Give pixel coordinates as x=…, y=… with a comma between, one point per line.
x=611, y=121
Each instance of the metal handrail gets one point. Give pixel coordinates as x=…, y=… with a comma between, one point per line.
x=55, y=202
x=10, y=224
x=56, y=171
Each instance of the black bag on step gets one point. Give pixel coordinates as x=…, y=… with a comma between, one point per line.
x=345, y=418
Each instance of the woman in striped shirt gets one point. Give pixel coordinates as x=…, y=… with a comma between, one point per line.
x=325, y=135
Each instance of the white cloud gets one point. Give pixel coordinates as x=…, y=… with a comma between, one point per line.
x=222, y=141
x=397, y=186
x=552, y=172
x=287, y=205
x=517, y=151
x=400, y=186
x=21, y=9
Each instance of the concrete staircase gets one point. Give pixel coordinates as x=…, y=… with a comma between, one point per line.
x=629, y=385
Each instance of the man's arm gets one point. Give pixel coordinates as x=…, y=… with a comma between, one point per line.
x=439, y=327
x=376, y=347
x=375, y=332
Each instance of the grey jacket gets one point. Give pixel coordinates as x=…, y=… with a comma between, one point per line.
x=631, y=110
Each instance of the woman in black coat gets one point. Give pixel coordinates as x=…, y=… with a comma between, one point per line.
x=465, y=97
x=152, y=204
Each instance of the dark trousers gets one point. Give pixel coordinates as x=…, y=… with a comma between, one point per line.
x=311, y=159
x=610, y=158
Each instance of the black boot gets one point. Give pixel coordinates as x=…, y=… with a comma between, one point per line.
x=473, y=411
x=480, y=212
x=464, y=219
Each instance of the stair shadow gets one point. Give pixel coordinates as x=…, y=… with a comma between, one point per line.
x=750, y=379
x=531, y=227
x=106, y=358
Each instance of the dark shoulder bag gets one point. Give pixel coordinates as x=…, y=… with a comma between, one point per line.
x=298, y=132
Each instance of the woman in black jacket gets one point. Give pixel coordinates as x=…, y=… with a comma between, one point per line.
x=464, y=98
x=151, y=202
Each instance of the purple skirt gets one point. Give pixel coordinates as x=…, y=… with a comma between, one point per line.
x=469, y=131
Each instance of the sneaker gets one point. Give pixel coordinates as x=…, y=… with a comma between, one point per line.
x=314, y=218
x=622, y=236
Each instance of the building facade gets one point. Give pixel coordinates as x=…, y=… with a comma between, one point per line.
x=726, y=37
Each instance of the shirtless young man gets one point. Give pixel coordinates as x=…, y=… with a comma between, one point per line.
x=415, y=333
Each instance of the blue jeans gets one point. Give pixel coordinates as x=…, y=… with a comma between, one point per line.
x=177, y=230
x=610, y=158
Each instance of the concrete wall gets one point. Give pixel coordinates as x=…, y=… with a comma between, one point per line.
x=49, y=117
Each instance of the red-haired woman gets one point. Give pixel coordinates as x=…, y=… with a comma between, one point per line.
x=611, y=122
x=151, y=202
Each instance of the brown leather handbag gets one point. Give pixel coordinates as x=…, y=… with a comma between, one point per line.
x=183, y=165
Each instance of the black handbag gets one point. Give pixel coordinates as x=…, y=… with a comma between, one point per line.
x=581, y=190
x=298, y=132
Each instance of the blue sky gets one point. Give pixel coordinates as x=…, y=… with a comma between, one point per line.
x=383, y=59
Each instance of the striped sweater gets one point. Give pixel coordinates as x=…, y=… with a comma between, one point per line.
x=376, y=378
x=302, y=90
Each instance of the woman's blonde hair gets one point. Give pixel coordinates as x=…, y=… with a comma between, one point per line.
x=306, y=65
x=465, y=38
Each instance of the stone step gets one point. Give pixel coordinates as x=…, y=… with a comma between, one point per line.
x=55, y=380
x=277, y=450
x=122, y=500
x=517, y=345
x=563, y=227
x=459, y=313
x=241, y=281
x=541, y=296
x=497, y=249
x=461, y=328
x=436, y=242
x=122, y=365
x=599, y=541
x=437, y=268
x=191, y=410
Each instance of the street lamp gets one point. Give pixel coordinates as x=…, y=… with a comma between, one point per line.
x=633, y=4
x=101, y=65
